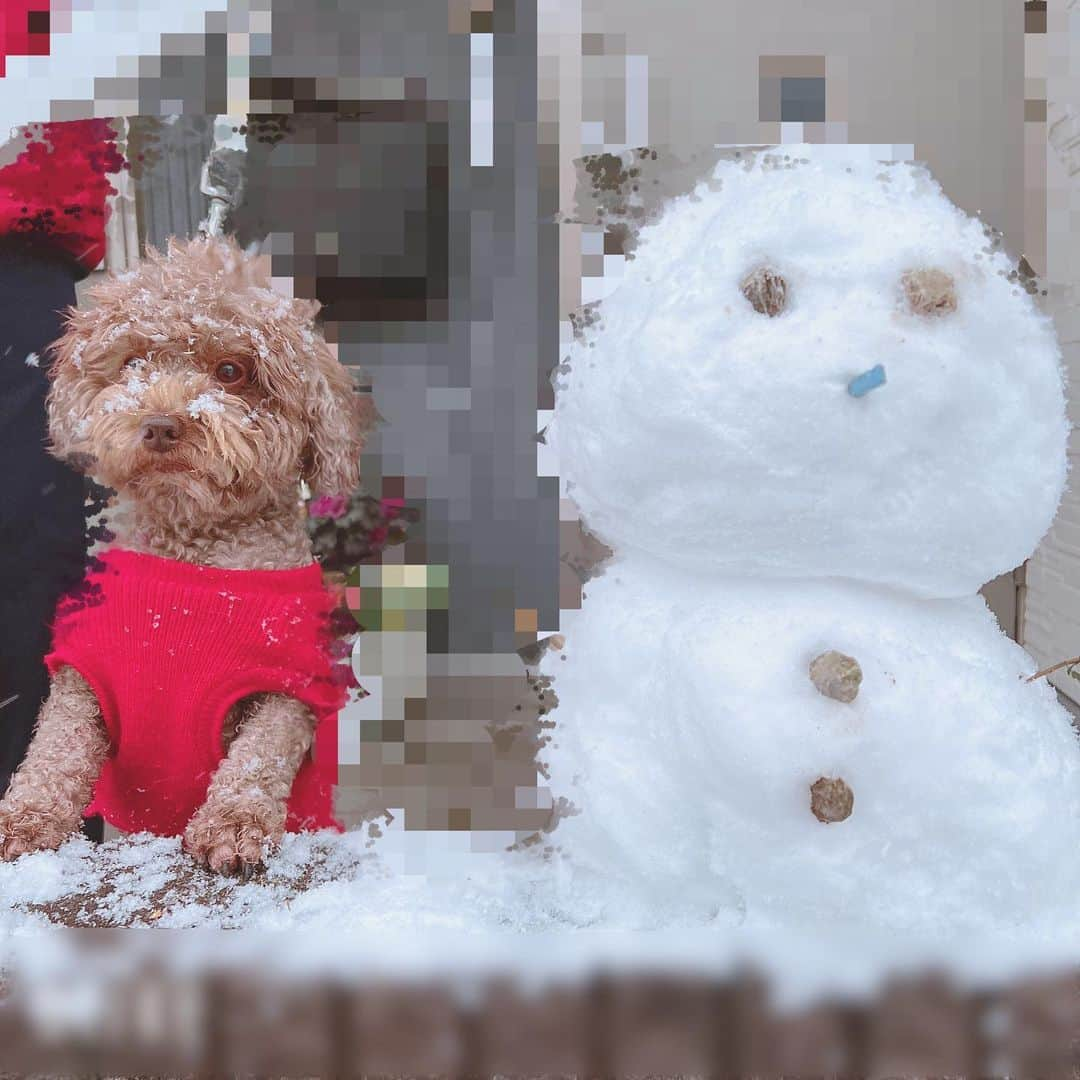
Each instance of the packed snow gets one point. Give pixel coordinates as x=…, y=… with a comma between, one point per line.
x=692, y=766
x=771, y=499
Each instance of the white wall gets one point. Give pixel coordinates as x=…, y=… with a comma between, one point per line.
x=1052, y=603
x=96, y=39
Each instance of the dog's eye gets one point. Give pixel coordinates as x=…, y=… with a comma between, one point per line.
x=230, y=373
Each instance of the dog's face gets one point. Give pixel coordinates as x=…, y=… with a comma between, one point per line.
x=190, y=379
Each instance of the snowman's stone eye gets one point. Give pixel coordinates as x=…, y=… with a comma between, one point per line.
x=929, y=291
x=766, y=290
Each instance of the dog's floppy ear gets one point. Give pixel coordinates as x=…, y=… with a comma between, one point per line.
x=339, y=420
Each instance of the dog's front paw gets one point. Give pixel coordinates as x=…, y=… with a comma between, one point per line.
x=232, y=839
x=24, y=830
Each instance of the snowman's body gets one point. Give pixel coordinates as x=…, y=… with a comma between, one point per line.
x=689, y=733
x=761, y=516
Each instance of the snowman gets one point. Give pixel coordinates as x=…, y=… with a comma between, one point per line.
x=817, y=414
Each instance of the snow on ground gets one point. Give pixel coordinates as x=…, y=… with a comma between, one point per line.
x=315, y=879
x=427, y=905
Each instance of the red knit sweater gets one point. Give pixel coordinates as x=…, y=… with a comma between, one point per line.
x=168, y=647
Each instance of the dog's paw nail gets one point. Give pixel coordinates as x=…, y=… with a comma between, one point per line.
x=222, y=860
x=227, y=844
x=250, y=852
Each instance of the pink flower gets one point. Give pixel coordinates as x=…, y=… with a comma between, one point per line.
x=328, y=506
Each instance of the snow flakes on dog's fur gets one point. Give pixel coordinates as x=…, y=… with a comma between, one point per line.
x=198, y=304
x=210, y=402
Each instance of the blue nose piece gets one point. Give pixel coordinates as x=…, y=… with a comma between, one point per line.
x=862, y=384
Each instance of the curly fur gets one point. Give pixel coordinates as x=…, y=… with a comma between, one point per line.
x=244, y=813
x=226, y=494
x=47, y=795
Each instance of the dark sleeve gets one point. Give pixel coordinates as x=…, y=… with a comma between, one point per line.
x=52, y=232
x=41, y=516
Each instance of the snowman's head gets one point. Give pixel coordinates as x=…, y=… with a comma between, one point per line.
x=816, y=367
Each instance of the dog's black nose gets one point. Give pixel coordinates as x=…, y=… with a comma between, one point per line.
x=159, y=433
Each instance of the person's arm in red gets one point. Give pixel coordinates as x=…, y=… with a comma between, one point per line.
x=54, y=193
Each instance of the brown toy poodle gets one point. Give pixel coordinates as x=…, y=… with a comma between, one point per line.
x=203, y=398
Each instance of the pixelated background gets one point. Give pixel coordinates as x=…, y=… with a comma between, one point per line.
x=460, y=184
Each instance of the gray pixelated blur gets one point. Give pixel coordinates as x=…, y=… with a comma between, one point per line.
x=383, y=188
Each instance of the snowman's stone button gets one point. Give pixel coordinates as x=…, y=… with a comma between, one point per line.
x=836, y=676
x=831, y=799
x=766, y=290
